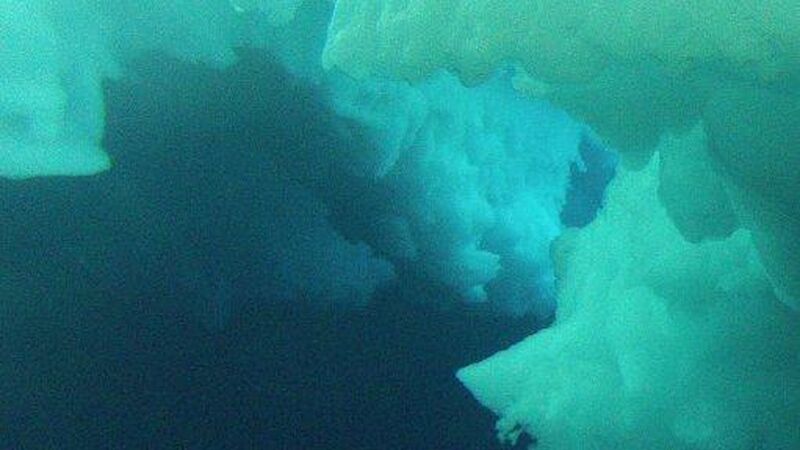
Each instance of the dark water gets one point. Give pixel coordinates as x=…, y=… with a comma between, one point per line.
x=106, y=340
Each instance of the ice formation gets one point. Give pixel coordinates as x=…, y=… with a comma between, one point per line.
x=471, y=180
x=660, y=343
x=678, y=317
x=51, y=106
x=633, y=71
x=678, y=308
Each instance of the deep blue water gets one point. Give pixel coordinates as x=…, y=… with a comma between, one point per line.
x=104, y=343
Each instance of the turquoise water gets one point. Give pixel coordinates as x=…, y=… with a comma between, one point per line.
x=409, y=224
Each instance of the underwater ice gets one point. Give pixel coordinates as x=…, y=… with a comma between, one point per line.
x=457, y=187
x=472, y=182
x=677, y=323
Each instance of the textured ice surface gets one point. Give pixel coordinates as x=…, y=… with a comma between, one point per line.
x=677, y=309
x=677, y=323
